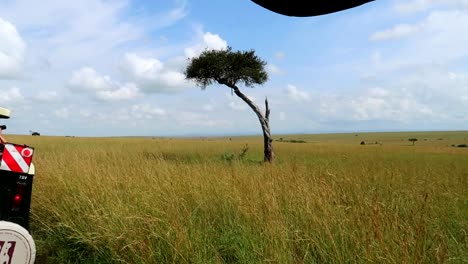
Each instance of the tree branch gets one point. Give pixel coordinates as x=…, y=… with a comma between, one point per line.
x=261, y=118
x=267, y=110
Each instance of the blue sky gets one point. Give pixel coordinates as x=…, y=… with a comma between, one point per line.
x=115, y=68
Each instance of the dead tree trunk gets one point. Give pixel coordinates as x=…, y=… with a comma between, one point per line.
x=264, y=122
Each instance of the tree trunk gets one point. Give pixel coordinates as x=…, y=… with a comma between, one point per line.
x=264, y=122
x=267, y=139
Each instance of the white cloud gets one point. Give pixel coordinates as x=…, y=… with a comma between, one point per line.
x=368, y=107
x=141, y=67
x=214, y=41
x=196, y=119
x=12, y=49
x=429, y=95
x=133, y=115
x=11, y=95
x=449, y=20
x=87, y=79
x=441, y=38
x=209, y=41
x=67, y=32
x=378, y=92
x=62, y=113
x=296, y=94
x=126, y=92
x=67, y=35
x=237, y=105
x=279, y=55
x=273, y=69
x=47, y=96
x=396, y=32
x=414, y=6
x=152, y=75
x=208, y=107
x=146, y=111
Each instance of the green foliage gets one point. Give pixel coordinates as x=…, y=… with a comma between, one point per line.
x=227, y=67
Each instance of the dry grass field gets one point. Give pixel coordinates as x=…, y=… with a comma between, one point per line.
x=211, y=200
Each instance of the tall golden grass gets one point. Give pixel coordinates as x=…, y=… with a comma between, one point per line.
x=144, y=200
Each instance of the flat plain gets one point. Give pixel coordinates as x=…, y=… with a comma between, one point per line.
x=327, y=198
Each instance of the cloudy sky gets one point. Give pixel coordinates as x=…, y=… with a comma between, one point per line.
x=115, y=68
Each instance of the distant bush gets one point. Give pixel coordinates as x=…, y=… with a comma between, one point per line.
x=292, y=140
x=297, y=141
x=371, y=143
x=463, y=146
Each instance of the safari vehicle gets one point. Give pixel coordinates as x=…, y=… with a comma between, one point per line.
x=16, y=179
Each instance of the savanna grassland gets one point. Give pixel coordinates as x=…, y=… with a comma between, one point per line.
x=212, y=200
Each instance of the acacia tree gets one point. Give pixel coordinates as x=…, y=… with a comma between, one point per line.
x=231, y=68
x=413, y=140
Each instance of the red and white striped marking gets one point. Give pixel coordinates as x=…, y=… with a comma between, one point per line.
x=16, y=158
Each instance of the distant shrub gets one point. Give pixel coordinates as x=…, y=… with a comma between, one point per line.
x=297, y=141
x=292, y=140
x=363, y=143
x=463, y=146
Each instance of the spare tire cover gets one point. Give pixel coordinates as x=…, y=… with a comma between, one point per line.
x=16, y=244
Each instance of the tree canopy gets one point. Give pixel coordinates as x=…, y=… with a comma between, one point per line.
x=227, y=67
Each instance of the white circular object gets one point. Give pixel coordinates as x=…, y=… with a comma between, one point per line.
x=16, y=244
x=26, y=152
